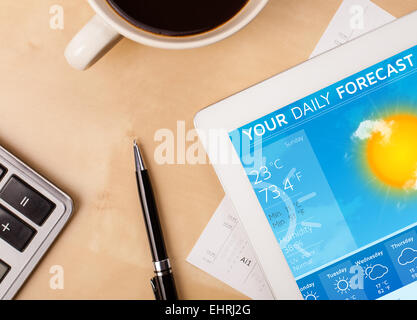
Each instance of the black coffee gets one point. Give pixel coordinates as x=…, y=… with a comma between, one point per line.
x=177, y=17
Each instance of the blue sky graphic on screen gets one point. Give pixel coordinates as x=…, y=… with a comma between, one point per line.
x=336, y=173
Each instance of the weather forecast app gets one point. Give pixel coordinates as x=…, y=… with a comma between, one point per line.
x=336, y=176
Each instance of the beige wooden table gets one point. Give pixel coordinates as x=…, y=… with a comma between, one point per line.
x=76, y=128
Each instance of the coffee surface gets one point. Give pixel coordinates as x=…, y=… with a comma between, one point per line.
x=177, y=17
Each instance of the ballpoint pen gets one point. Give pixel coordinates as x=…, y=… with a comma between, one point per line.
x=163, y=284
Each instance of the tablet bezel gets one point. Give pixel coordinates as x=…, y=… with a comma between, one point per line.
x=271, y=95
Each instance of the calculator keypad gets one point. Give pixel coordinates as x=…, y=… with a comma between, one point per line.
x=27, y=200
x=14, y=231
x=32, y=213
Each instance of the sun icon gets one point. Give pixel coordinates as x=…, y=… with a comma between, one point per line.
x=342, y=285
x=368, y=269
x=311, y=296
x=391, y=151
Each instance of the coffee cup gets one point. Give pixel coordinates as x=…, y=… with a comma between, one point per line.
x=175, y=29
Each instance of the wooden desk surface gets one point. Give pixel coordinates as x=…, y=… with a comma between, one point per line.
x=76, y=128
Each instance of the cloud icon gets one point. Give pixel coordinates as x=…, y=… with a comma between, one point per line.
x=408, y=255
x=369, y=127
x=376, y=272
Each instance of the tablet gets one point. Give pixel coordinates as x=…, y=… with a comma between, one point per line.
x=320, y=162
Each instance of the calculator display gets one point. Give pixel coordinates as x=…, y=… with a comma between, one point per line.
x=336, y=176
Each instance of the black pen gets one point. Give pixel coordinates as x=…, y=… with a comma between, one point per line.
x=163, y=284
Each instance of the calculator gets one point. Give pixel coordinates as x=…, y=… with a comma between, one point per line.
x=32, y=213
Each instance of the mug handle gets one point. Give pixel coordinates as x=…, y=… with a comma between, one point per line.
x=92, y=42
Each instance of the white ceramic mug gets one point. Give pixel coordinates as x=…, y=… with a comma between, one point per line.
x=107, y=28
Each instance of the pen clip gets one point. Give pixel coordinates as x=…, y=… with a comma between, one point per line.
x=155, y=288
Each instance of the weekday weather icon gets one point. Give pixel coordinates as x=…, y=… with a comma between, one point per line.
x=311, y=296
x=376, y=271
x=407, y=256
x=342, y=285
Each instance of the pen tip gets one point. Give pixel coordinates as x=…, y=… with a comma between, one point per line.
x=138, y=157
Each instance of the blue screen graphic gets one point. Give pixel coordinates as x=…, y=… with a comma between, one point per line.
x=336, y=176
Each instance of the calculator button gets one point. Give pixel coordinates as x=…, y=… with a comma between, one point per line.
x=27, y=200
x=4, y=268
x=3, y=171
x=14, y=231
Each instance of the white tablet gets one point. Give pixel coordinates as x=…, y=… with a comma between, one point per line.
x=320, y=162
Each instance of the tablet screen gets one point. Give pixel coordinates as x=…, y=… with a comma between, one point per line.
x=336, y=176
